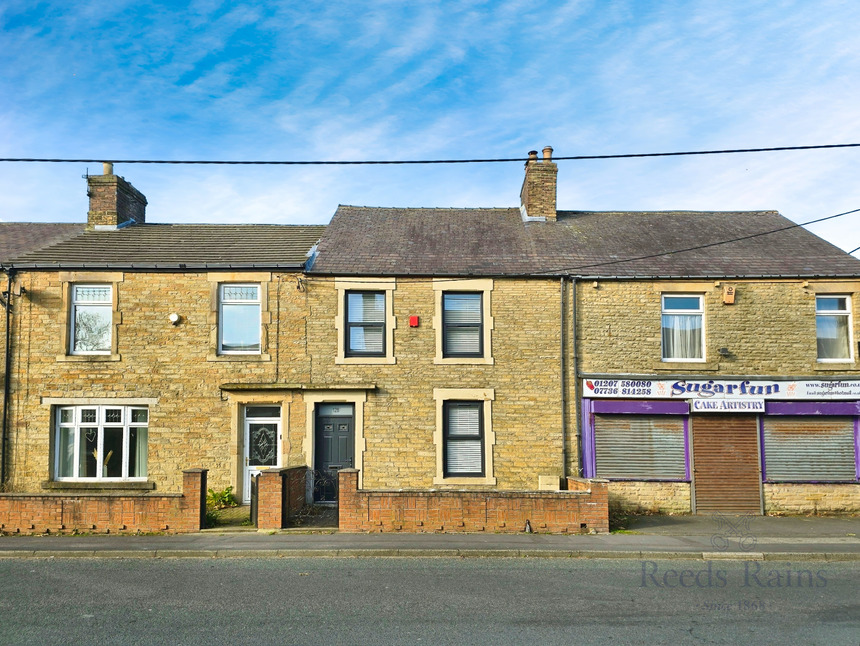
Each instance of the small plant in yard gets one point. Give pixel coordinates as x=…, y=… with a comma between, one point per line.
x=221, y=499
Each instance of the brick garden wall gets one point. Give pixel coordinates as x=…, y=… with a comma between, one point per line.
x=280, y=495
x=583, y=508
x=107, y=513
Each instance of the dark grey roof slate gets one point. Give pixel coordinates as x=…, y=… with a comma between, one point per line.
x=181, y=246
x=18, y=238
x=496, y=242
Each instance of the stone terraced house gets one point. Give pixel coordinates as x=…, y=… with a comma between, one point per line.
x=427, y=369
x=138, y=351
x=702, y=362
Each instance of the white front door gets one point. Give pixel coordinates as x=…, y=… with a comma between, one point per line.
x=262, y=443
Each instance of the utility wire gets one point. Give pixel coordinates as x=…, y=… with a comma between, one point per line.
x=562, y=270
x=702, y=246
x=417, y=161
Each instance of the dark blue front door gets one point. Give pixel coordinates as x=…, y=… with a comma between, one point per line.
x=335, y=448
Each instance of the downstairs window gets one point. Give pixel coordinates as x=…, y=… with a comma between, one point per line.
x=101, y=442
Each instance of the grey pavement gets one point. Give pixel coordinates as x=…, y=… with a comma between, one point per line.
x=648, y=537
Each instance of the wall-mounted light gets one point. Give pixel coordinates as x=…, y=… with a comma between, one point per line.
x=174, y=319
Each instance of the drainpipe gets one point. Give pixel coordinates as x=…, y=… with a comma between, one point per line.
x=563, y=381
x=577, y=387
x=7, y=377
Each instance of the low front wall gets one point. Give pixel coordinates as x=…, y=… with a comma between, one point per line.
x=105, y=513
x=807, y=498
x=652, y=497
x=583, y=508
x=280, y=495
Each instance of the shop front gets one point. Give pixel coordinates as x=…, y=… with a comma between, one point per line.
x=728, y=445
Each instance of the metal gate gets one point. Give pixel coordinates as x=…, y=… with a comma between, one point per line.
x=726, y=464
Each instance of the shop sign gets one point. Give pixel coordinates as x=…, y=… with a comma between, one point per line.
x=714, y=389
x=727, y=405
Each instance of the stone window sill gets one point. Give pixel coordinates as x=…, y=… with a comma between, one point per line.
x=834, y=367
x=57, y=485
x=687, y=366
x=243, y=358
x=88, y=358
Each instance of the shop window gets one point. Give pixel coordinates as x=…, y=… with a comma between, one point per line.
x=809, y=449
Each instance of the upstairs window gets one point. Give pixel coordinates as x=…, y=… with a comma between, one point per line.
x=365, y=324
x=239, y=319
x=462, y=323
x=682, y=327
x=101, y=442
x=91, y=319
x=833, y=327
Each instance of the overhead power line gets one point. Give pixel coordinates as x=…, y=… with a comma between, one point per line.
x=701, y=246
x=567, y=270
x=369, y=162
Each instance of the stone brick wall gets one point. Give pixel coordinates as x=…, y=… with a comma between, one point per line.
x=107, y=513
x=400, y=414
x=580, y=510
x=170, y=367
x=655, y=497
x=769, y=330
x=806, y=498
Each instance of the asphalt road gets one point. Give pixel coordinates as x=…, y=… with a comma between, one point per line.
x=427, y=601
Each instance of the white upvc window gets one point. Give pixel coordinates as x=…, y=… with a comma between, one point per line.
x=91, y=319
x=101, y=443
x=683, y=327
x=239, y=319
x=833, y=327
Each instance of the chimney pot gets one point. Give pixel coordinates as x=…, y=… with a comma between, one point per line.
x=547, y=153
x=108, y=168
x=532, y=155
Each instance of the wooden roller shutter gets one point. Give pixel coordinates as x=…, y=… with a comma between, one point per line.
x=641, y=447
x=726, y=470
x=809, y=448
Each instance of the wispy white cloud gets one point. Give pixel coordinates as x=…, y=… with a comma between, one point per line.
x=336, y=80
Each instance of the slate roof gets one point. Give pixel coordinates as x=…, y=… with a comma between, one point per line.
x=179, y=246
x=18, y=238
x=369, y=241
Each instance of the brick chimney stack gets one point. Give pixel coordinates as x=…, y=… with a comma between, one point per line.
x=114, y=202
x=538, y=195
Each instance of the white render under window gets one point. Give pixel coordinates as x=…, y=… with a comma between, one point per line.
x=91, y=319
x=101, y=443
x=682, y=327
x=239, y=319
x=833, y=327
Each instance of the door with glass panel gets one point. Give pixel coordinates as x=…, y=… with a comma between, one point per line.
x=262, y=443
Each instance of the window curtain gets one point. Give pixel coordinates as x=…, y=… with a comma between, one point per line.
x=833, y=337
x=682, y=336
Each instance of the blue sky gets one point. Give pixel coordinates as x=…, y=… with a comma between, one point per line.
x=339, y=80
